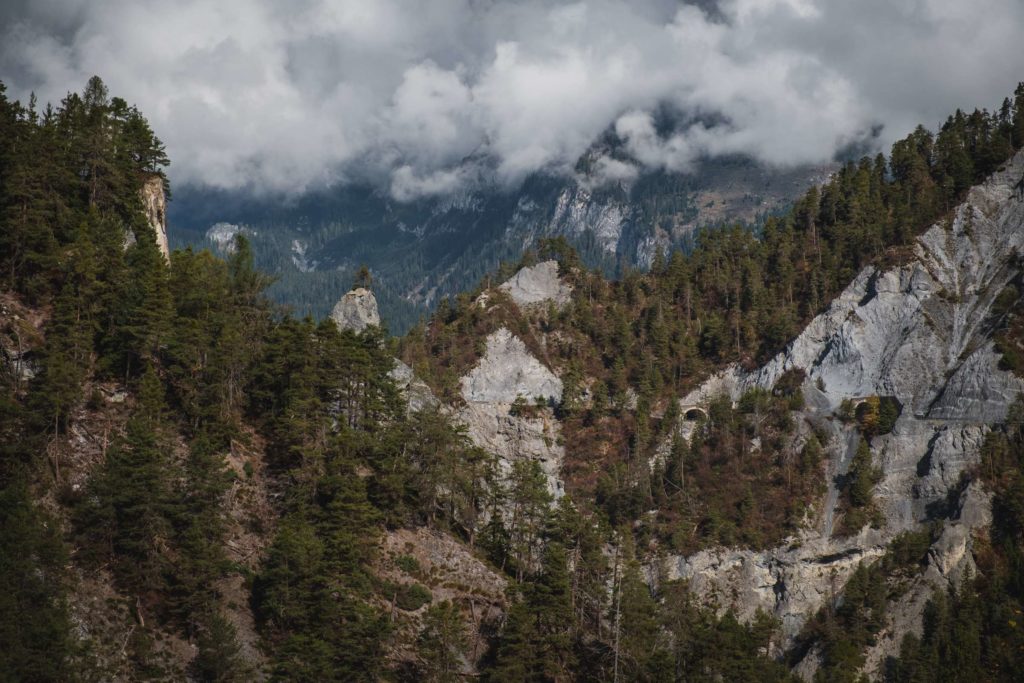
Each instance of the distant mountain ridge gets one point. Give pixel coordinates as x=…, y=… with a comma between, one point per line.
x=428, y=249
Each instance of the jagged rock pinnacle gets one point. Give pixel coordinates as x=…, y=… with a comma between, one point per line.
x=356, y=311
x=154, y=202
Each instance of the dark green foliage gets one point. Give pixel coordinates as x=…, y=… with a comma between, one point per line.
x=858, y=491
x=536, y=644
x=310, y=598
x=877, y=415
x=442, y=643
x=91, y=154
x=638, y=630
x=312, y=595
x=219, y=658
x=889, y=412
x=200, y=527
x=126, y=515
x=410, y=597
x=213, y=374
x=1009, y=322
x=851, y=619
x=35, y=627
x=685, y=642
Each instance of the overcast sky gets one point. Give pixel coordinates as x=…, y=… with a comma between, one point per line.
x=430, y=96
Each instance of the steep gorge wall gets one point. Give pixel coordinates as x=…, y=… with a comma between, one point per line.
x=919, y=332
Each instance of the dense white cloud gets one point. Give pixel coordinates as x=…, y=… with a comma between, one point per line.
x=427, y=96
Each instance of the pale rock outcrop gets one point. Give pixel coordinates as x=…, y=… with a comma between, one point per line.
x=356, y=310
x=493, y=427
x=538, y=284
x=450, y=571
x=20, y=339
x=454, y=572
x=415, y=390
x=949, y=562
x=920, y=333
x=908, y=331
x=154, y=203
x=506, y=372
x=784, y=582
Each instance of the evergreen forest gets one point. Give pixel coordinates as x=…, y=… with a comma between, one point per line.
x=197, y=485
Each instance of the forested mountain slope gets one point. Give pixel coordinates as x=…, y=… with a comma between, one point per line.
x=755, y=462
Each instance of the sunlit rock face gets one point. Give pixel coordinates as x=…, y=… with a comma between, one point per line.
x=538, y=284
x=154, y=203
x=918, y=332
x=506, y=372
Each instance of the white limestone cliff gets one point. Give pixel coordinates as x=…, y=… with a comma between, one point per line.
x=415, y=390
x=918, y=332
x=538, y=284
x=506, y=372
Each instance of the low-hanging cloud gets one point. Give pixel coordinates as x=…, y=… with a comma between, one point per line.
x=427, y=97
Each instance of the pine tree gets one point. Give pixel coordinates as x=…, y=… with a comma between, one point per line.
x=219, y=658
x=528, y=503
x=35, y=625
x=638, y=637
x=442, y=643
x=126, y=515
x=1018, y=117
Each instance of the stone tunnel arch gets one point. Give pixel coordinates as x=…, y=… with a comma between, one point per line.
x=858, y=401
x=884, y=416
x=694, y=413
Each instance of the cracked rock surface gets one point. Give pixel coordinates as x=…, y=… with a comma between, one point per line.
x=538, y=284
x=507, y=371
x=356, y=310
x=919, y=332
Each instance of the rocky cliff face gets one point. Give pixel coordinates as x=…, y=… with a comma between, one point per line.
x=506, y=372
x=920, y=333
x=538, y=284
x=509, y=372
x=416, y=391
x=356, y=310
x=154, y=203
